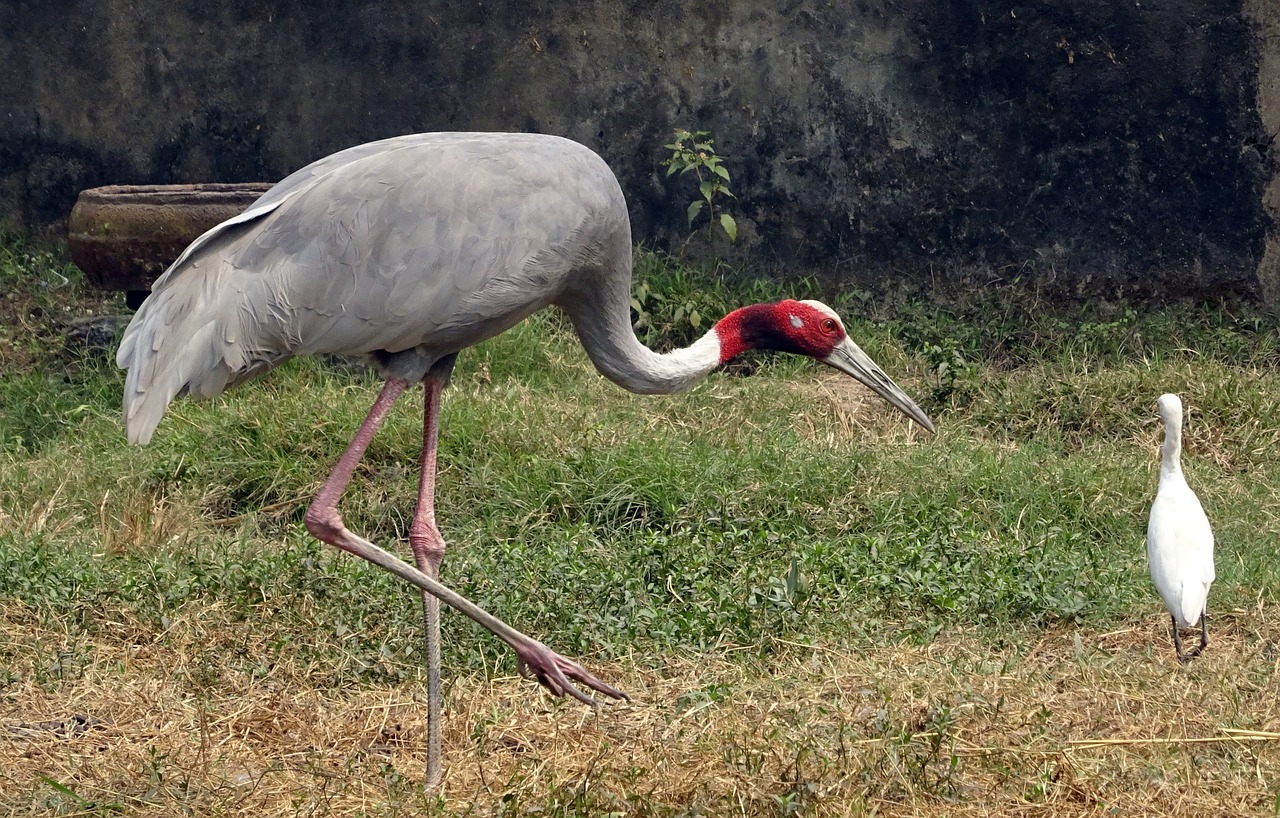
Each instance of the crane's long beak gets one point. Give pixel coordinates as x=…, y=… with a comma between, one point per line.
x=851, y=360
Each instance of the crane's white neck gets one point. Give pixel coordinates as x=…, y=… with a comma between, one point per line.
x=636, y=368
x=603, y=324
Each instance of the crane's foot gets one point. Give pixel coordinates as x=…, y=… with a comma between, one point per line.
x=553, y=671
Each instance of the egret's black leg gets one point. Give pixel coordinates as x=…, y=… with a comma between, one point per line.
x=1204, y=639
x=1177, y=642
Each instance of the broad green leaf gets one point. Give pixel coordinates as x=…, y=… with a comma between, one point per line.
x=721, y=172
x=695, y=207
x=707, y=188
x=729, y=225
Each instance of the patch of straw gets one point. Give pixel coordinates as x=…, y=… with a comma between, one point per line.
x=1075, y=723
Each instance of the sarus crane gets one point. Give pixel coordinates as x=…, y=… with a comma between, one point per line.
x=409, y=250
x=1179, y=538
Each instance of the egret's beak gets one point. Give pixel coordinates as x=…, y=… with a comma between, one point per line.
x=851, y=360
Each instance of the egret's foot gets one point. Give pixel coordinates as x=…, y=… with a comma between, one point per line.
x=1185, y=657
x=553, y=671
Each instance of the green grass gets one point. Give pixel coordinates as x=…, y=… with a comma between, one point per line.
x=626, y=529
x=612, y=523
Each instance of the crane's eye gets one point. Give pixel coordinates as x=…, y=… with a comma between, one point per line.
x=828, y=326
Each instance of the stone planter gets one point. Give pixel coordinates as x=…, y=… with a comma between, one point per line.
x=125, y=236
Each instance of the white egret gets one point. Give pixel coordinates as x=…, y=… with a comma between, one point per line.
x=1179, y=539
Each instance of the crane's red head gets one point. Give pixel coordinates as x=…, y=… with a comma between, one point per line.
x=800, y=327
x=810, y=328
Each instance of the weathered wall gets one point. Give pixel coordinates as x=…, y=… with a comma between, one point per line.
x=1265, y=15
x=1089, y=144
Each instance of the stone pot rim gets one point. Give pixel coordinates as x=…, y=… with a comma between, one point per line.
x=206, y=192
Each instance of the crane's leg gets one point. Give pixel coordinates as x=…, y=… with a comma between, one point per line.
x=428, y=552
x=325, y=524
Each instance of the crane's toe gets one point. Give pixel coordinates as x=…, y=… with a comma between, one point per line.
x=553, y=672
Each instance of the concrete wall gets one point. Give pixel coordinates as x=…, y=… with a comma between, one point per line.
x=1265, y=16
x=1094, y=145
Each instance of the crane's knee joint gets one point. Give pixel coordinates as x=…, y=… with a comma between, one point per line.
x=426, y=538
x=324, y=524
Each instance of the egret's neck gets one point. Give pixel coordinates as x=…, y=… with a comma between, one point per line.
x=1171, y=451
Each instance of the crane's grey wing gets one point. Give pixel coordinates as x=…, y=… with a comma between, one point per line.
x=427, y=243
x=292, y=184
x=439, y=241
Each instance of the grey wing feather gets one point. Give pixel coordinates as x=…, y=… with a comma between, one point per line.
x=417, y=245
x=176, y=341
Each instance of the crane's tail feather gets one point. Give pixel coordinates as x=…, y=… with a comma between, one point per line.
x=196, y=354
x=159, y=372
x=186, y=337
x=172, y=346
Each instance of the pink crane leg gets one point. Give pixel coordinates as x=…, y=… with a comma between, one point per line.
x=428, y=551
x=323, y=521
x=324, y=508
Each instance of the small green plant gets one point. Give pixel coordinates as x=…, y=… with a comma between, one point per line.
x=673, y=321
x=672, y=304
x=84, y=806
x=787, y=593
x=695, y=152
x=957, y=376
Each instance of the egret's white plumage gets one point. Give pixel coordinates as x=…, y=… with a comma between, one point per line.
x=1179, y=538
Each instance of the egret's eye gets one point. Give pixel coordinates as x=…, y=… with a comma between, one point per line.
x=828, y=326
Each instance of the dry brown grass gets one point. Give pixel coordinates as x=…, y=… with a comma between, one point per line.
x=1081, y=723
x=840, y=409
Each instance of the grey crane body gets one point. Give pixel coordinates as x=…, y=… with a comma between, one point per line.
x=410, y=250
